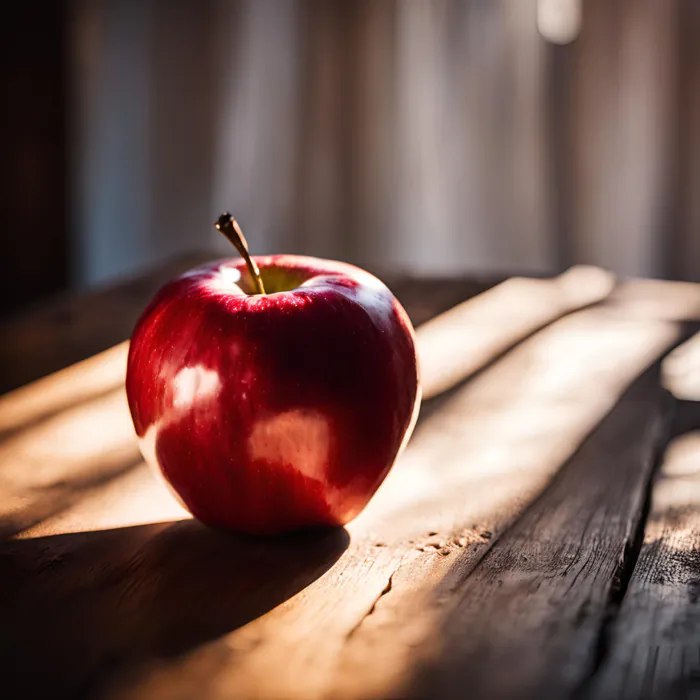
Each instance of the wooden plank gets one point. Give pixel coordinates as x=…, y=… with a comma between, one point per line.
x=681, y=370
x=76, y=384
x=484, y=327
x=455, y=490
x=649, y=298
x=653, y=647
x=73, y=328
x=536, y=603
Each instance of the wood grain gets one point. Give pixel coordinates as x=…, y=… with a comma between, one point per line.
x=653, y=650
x=534, y=606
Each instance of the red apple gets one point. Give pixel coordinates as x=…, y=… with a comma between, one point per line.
x=272, y=412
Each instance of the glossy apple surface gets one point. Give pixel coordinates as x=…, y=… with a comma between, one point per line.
x=276, y=412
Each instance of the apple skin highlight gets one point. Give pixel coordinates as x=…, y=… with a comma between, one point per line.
x=269, y=413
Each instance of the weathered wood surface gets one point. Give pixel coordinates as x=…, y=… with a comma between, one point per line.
x=482, y=567
x=536, y=604
x=654, y=645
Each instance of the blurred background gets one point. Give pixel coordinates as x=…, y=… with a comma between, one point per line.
x=441, y=137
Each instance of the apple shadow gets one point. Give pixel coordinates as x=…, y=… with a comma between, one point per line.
x=79, y=609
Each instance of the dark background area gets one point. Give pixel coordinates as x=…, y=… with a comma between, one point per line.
x=34, y=184
x=451, y=137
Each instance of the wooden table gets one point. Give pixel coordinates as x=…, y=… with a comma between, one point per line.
x=537, y=539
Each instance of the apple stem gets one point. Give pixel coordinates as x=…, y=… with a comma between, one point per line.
x=227, y=225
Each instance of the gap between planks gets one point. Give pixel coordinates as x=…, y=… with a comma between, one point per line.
x=652, y=646
x=622, y=576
